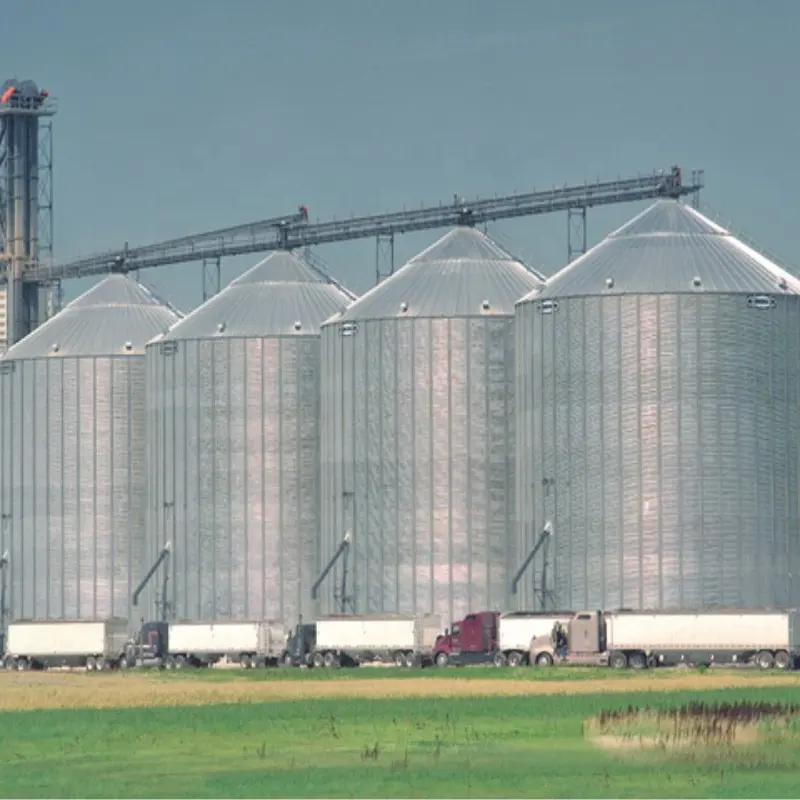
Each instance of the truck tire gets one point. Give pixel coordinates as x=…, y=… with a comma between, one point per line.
x=331, y=660
x=500, y=660
x=169, y=662
x=318, y=660
x=10, y=663
x=91, y=664
x=765, y=659
x=637, y=661
x=515, y=658
x=783, y=660
x=100, y=664
x=442, y=659
x=618, y=660
x=410, y=660
x=544, y=660
x=245, y=662
x=399, y=659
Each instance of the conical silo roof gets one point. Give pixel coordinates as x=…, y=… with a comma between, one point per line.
x=454, y=277
x=270, y=299
x=669, y=248
x=118, y=316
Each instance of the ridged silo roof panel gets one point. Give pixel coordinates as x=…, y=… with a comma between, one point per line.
x=270, y=299
x=665, y=250
x=454, y=277
x=117, y=316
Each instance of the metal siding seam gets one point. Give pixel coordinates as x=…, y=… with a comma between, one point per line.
x=397, y=525
x=510, y=453
x=413, y=474
x=468, y=406
x=699, y=441
x=639, y=451
x=226, y=347
x=660, y=454
x=721, y=532
x=603, y=532
x=621, y=455
x=487, y=522
x=432, y=467
x=449, y=467
x=263, y=484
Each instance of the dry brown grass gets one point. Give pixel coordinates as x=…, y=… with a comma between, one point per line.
x=19, y=691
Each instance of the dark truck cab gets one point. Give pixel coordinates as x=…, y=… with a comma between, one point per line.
x=472, y=640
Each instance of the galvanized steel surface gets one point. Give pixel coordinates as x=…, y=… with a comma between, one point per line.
x=233, y=446
x=72, y=472
x=418, y=433
x=659, y=433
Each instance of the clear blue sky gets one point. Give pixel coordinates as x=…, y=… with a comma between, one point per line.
x=182, y=115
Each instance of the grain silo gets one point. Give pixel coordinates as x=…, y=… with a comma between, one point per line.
x=659, y=415
x=233, y=429
x=72, y=472
x=418, y=433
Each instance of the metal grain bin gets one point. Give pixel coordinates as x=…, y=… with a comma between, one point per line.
x=233, y=445
x=72, y=472
x=659, y=415
x=418, y=433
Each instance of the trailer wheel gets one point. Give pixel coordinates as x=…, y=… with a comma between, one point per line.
x=618, y=660
x=169, y=662
x=652, y=661
x=442, y=659
x=637, y=661
x=21, y=664
x=783, y=660
x=91, y=664
x=500, y=660
x=318, y=660
x=409, y=659
x=544, y=660
x=101, y=664
x=10, y=662
x=765, y=659
x=515, y=658
x=245, y=662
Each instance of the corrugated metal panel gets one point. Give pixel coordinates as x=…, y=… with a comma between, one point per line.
x=72, y=472
x=418, y=435
x=659, y=433
x=662, y=251
x=451, y=278
x=233, y=433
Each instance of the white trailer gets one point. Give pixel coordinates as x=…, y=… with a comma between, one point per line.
x=94, y=645
x=249, y=643
x=403, y=639
x=516, y=630
x=643, y=638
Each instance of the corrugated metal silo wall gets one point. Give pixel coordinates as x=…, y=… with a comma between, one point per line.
x=660, y=434
x=73, y=484
x=233, y=430
x=417, y=462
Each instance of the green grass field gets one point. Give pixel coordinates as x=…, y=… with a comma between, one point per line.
x=454, y=747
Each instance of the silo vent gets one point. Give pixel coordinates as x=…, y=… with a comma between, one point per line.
x=220, y=327
x=404, y=306
x=696, y=280
x=54, y=348
x=609, y=283
x=782, y=283
x=297, y=324
x=485, y=305
x=128, y=346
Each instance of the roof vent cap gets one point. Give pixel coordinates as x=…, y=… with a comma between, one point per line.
x=404, y=306
x=696, y=281
x=297, y=324
x=54, y=347
x=609, y=283
x=782, y=282
x=128, y=346
x=221, y=327
x=485, y=305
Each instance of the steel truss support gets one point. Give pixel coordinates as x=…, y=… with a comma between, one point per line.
x=576, y=233
x=384, y=257
x=212, y=269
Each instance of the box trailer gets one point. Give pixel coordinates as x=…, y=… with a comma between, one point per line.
x=641, y=638
x=181, y=644
x=517, y=629
x=403, y=639
x=65, y=643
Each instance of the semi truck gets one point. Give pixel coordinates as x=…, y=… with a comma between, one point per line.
x=406, y=640
x=176, y=645
x=64, y=643
x=490, y=637
x=640, y=639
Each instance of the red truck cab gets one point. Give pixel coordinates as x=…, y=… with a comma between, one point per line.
x=472, y=640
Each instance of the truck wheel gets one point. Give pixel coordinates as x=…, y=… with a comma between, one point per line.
x=765, y=659
x=91, y=664
x=500, y=660
x=245, y=662
x=100, y=664
x=782, y=660
x=652, y=661
x=515, y=658
x=21, y=664
x=331, y=661
x=10, y=662
x=399, y=659
x=318, y=660
x=637, y=661
x=409, y=660
x=544, y=660
x=287, y=660
x=442, y=659
x=169, y=662
x=618, y=660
